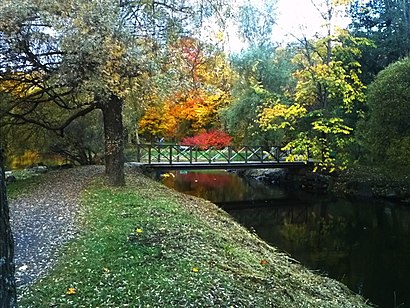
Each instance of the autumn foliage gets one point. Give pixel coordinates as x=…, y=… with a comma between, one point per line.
x=194, y=106
x=216, y=138
x=182, y=114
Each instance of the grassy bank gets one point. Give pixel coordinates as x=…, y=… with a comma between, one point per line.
x=146, y=245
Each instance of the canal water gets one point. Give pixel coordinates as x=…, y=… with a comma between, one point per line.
x=364, y=244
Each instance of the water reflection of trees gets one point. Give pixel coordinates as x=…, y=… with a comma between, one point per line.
x=219, y=186
x=210, y=186
x=299, y=228
x=361, y=244
x=321, y=235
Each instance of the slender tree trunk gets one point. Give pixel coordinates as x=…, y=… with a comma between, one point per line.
x=114, y=141
x=7, y=282
x=137, y=137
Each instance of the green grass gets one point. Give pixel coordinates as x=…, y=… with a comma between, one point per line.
x=147, y=246
x=24, y=183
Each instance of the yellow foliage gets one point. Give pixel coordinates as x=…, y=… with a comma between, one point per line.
x=151, y=122
x=341, y=2
x=27, y=159
x=280, y=116
x=19, y=85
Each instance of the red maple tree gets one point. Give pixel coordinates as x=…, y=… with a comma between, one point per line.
x=215, y=138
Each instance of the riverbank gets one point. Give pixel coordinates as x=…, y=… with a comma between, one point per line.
x=373, y=182
x=357, y=182
x=147, y=245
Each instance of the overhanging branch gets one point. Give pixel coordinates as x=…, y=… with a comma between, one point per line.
x=57, y=128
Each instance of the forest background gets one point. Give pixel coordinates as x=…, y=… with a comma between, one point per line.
x=82, y=81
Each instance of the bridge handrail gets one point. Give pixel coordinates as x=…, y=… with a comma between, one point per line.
x=170, y=153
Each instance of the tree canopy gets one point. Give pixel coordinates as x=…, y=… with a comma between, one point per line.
x=387, y=24
x=328, y=89
x=62, y=60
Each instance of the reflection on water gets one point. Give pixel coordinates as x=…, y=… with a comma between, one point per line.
x=366, y=245
x=220, y=187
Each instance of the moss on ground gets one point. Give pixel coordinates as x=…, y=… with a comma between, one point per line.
x=145, y=245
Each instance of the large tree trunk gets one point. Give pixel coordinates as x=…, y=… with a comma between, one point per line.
x=114, y=140
x=7, y=283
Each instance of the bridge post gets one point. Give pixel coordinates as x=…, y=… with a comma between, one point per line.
x=178, y=149
x=149, y=154
x=138, y=153
x=170, y=154
x=229, y=154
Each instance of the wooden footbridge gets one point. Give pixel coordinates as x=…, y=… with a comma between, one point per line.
x=179, y=157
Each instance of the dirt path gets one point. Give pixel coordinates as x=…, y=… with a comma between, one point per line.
x=44, y=219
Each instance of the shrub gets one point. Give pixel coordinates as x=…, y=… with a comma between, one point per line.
x=387, y=130
x=215, y=138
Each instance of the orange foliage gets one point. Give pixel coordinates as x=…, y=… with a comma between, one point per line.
x=157, y=123
x=181, y=115
x=189, y=112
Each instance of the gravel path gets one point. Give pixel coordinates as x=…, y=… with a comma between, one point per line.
x=44, y=219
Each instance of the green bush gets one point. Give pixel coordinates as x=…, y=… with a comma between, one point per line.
x=387, y=130
x=399, y=151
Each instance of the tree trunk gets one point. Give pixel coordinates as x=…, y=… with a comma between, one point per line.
x=114, y=140
x=7, y=283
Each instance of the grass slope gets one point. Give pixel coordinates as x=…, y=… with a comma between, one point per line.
x=147, y=246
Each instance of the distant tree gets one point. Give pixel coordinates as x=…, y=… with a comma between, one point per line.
x=387, y=24
x=83, y=141
x=328, y=94
x=256, y=21
x=192, y=106
x=387, y=130
x=263, y=74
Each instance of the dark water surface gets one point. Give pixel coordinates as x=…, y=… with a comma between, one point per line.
x=364, y=244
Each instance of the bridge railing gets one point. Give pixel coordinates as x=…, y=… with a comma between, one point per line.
x=169, y=154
